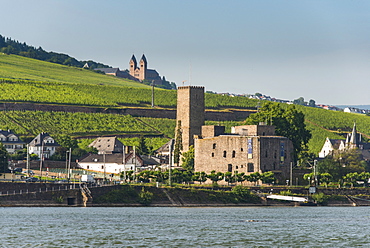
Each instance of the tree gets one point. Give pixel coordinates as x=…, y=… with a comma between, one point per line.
x=342, y=163
x=178, y=144
x=309, y=177
x=229, y=177
x=240, y=177
x=254, y=177
x=144, y=176
x=4, y=158
x=142, y=148
x=215, y=177
x=325, y=178
x=312, y=103
x=268, y=177
x=67, y=142
x=159, y=176
x=288, y=123
x=188, y=159
x=351, y=178
x=299, y=101
x=199, y=177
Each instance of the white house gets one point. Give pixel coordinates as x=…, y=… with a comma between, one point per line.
x=111, y=163
x=43, y=145
x=11, y=141
x=330, y=145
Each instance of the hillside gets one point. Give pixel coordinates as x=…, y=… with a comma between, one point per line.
x=22, y=68
x=25, y=80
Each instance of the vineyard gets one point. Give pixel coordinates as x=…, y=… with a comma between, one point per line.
x=27, y=80
x=17, y=67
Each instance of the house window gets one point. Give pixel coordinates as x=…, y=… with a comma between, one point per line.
x=241, y=166
x=266, y=154
x=241, y=149
x=224, y=154
x=87, y=167
x=230, y=168
x=250, y=167
x=233, y=155
x=102, y=167
x=213, y=154
x=236, y=167
x=214, y=146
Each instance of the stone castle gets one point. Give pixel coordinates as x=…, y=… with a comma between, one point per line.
x=248, y=148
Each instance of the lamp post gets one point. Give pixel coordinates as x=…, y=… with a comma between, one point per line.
x=68, y=163
x=105, y=178
x=42, y=158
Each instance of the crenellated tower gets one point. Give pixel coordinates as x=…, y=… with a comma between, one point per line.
x=190, y=111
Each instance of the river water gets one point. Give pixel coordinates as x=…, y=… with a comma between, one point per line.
x=186, y=227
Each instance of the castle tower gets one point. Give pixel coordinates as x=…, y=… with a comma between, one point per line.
x=143, y=68
x=133, y=65
x=190, y=111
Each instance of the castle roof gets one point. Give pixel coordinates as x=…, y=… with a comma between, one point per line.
x=108, y=70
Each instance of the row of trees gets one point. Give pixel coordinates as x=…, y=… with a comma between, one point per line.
x=186, y=176
x=9, y=46
x=352, y=179
x=346, y=167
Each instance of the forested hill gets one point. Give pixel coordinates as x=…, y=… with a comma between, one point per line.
x=9, y=46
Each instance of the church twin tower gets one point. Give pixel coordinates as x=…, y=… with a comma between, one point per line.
x=139, y=72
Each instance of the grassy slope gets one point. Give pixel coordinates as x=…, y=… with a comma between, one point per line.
x=17, y=67
x=68, y=85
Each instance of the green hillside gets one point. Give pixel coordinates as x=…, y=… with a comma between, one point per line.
x=17, y=67
x=29, y=80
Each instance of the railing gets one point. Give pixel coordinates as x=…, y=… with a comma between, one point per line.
x=46, y=189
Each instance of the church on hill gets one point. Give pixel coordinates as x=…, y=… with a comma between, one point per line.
x=142, y=72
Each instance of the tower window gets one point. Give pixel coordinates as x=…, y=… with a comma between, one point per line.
x=233, y=155
x=213, y=154
x=230, y=168
x=214, y=146
x=224, y=154
x=250, y=167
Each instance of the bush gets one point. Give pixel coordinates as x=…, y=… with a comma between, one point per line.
x=320, y=198
x=145, y=197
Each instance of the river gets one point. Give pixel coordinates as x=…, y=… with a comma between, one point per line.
x=185, y=227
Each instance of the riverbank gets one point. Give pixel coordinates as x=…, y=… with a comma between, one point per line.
x=69, y=195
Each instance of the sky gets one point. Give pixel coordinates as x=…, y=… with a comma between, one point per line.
x=316, y=49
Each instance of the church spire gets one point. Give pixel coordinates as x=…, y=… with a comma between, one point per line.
x=354, y=140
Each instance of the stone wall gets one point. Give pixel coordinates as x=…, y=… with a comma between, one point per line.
x=210, y=115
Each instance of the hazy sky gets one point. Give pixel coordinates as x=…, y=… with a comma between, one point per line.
x=283, y=48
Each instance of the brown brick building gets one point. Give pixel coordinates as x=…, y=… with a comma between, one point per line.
x=248, y=149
